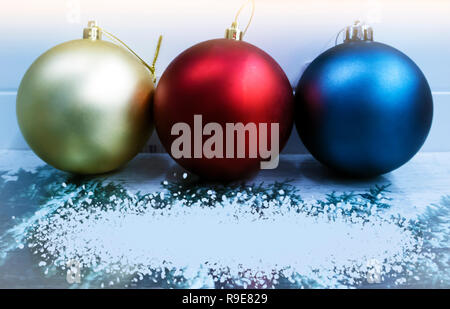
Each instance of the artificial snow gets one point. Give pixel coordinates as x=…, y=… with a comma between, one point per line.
x=244, y=238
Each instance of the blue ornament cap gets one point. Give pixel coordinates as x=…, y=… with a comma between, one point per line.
x=363, y=108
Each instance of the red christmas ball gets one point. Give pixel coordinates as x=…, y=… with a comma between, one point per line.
x=226, y=82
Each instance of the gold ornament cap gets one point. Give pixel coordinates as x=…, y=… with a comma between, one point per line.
x=233, y=33
x=92, y=31
x=359, y=31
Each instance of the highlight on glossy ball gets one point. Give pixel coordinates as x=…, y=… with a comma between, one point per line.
x=363, y=108
x=84, y=106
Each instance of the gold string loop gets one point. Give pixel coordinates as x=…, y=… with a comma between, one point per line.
x=151, y=68
x=251, y=16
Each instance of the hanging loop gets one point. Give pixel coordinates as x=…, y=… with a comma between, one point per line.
x=338, y=35
x=251, y=16
x=233, y=32
x=150, y=68
x=94, y=32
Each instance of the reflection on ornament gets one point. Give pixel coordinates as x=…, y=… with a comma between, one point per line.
x=84, y=106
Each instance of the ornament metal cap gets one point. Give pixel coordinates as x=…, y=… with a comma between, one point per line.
x=359, y=31
x=92, y=31
x=233, y=33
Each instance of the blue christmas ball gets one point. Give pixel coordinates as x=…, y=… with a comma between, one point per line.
x=363, y=108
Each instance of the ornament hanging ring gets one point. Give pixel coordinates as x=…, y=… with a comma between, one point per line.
x=251, y=16
x=337, y=36
x=151, y=68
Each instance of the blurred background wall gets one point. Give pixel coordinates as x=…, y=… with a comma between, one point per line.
x=294, y=32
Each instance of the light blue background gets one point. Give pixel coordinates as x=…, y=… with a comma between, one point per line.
x=294, y=32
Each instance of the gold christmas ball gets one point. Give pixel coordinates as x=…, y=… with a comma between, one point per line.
x=84, y=106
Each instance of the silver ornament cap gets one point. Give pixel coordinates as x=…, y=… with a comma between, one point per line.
x=359, y=31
